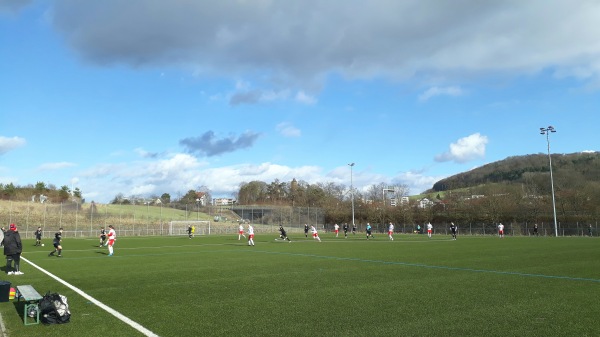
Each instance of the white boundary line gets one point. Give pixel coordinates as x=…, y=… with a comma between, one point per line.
x=108, y=309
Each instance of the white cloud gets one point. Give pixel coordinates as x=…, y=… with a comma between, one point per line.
x=55, y=166
x=304, y=98
x=288, y=130
x=465, y=149
x=438, y=91
x=9, y=144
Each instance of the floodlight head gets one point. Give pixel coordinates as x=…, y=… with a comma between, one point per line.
x=351, y=164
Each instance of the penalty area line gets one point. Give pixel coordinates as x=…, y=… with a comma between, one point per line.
x=106, y=308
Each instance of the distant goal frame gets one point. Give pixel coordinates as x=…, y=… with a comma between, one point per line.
x=179, y=227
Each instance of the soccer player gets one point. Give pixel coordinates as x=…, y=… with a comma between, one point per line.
x=283, y=234
x=453, y=230
x=354, y=228
x=38, y=236
x=590, y=230
x=391, y=231
x=429, y=229
x=193, y=231
x=102, y=236
x=56, y=242
x=112, y=236
x=250, y=235
x=189, y=230
x=535, y=229
x=345, y=227
x=305, y=230
x=13, y=249
x=501, y=230
x=241, y=232
x=336, y=228
x=315, y=234
x=369, y=231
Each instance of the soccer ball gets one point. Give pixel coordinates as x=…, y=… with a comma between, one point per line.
x=42, y=245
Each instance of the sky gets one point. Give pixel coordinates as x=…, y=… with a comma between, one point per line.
x=145, y=97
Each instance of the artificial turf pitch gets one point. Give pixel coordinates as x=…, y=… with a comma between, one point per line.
x=412, y=286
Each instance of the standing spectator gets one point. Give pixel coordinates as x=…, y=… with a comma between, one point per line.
x=250, y=235
x=38, y=236
x=12, y=249
x=345, y=227
x=501, y=230
x=391, y=231
x=56, y=242
x=315, y=234
x=283, y=234
x=429, y=229
x=241, y=232
x=102, y=236
x=336, y=228
x=369, y=228
x=453, y=230
x=535, y=229
x=112, y=236
x=305, y=230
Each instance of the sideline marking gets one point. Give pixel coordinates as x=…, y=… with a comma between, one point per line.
x=108, y=309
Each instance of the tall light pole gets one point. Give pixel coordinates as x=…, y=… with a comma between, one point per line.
x=547, y=131
x=352, y=192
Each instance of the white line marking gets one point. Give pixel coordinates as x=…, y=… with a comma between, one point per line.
x=108, y=309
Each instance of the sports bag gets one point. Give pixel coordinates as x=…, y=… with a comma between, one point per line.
x=54, y=309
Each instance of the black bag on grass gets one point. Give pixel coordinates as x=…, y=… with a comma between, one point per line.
x=54, y=309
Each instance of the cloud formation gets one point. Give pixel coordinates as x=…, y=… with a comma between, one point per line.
x=288, y=130
x=9, y=144
x=437, y=91
x=12, y=6
x=208, y=144
x=291, y=43
x=465, y=149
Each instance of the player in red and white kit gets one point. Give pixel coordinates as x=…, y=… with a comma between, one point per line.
x=241, y=232
x=250, y=235
x=112, y=236
x=429, y=229
x=391, y=231
x=501, y=230
x=336, y=228
x=315, y=234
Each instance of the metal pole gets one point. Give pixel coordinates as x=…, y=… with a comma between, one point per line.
x=352, y=191
x=547, y=131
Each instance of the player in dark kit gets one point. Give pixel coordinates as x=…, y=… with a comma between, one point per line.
x=56, y=243
x=453, y=230
x=102, y=236
x=354, y=229
x=38, y=236
x=345, y=227
x=283, y=234
x=305, y=230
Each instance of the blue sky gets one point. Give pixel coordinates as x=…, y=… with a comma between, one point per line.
x=145, y=97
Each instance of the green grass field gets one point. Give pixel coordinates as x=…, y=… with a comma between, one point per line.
x=412, y=286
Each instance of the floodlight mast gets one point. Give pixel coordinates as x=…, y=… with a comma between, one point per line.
x=352, y=192
x=547, y=131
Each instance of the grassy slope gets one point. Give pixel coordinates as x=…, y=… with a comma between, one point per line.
x=411, y=286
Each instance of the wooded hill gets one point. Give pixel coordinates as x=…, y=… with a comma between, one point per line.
x=570, y=171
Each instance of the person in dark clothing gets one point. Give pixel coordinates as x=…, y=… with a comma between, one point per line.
x=102, y=236
x=306, y=230
x=453, y=230
x=56, y=243
x=283, y=234
x=38, y=236
x=345, y=228
x=13, y=249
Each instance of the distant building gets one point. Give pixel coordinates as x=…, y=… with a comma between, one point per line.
x=424, y=203
x=223, y=201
